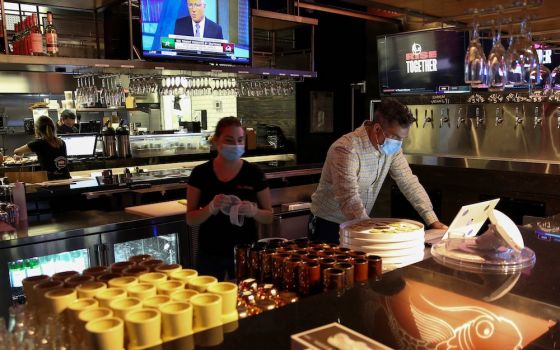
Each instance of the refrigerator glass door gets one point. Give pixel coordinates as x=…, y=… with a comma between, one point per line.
x=43, y=257
x=162, y=247
x=162, y=241
x=76, y=260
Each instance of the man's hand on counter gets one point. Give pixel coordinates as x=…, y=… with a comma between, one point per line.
x=438, y=225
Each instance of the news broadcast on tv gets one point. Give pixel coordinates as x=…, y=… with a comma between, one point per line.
x=201, y=30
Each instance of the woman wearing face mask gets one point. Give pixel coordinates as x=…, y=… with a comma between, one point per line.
x=50, y=150
x=356, y=167
x=220, y=186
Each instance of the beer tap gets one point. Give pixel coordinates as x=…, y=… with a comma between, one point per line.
x=478, y=118
x=416, y=115
x=499, y=116
x=460, y=118
x=538, y=118
x=518, y=117
x=429, y=119
x=444, y=117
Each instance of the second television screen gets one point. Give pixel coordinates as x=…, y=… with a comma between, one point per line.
x=200, y=30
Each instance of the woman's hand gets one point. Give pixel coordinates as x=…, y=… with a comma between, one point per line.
x=248, y=209
x=220, y=201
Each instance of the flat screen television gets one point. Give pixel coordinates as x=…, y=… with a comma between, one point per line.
x=424, y=62
x=197, y=30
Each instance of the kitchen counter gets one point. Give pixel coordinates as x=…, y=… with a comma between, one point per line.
x=119, y=191
x=422, y=306
x=273, y=166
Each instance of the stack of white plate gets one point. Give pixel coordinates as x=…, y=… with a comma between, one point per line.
x=398, y=242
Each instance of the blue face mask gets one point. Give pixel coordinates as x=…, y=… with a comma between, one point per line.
x=390, y=146
x=232, y=152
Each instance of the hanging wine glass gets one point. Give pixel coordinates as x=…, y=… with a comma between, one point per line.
x=475, y=60
x=521, y=58
x=555, y=79
x=544, y=78
x=497, y=68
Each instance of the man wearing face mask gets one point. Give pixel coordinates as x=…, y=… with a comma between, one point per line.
x=356, y=167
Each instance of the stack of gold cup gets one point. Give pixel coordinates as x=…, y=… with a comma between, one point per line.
x=135, y=304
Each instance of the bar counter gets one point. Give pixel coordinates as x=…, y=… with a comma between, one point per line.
x=421, y=306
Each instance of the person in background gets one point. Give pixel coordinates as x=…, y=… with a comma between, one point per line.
x=197, y=24
x=214, y=189
x=50, y=150
x=355, y=168
x=67, y=122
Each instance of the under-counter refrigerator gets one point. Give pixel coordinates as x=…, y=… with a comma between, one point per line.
x=43, y=258
x=163, y=238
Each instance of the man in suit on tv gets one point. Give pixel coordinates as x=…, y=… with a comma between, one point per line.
x=197, y=24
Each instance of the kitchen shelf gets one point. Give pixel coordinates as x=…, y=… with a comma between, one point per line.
x=116, y=109
x=81, y=65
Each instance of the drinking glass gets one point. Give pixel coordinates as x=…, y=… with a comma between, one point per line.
x=522, y=58
x=497, y=68
x=544, y=78
x=475, y=61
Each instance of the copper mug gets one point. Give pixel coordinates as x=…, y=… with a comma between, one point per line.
x=241, y=253
x=266, y=265
x=255, y=262
x=120, y=266
x=139, y=258
x=357, y=254
x=106, y=277
x=135, y=271
x=375, y=267
x=326, y=253
x=151, y=264
x=290, y=272
x=342, y=250
x=333, y=279
x=310, y=257
x=342, y=258
x=309, y=278
x=360, y=270
x=302, y=242
x=95, y=271
x=348, y=269
x=277, y=272
x=325, y=264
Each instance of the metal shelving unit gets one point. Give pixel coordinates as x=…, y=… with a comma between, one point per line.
x=78, y=65
x=262, y=20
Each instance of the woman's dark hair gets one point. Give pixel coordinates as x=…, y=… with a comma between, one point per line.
x=67, y=114
x=226, y=122
x=44, y=128
x=391, y=111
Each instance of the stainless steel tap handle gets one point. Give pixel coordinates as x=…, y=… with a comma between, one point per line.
x=444, y=118
x=429, y=119
x=479, y=120
x=460, y=119
x=537, y=121
x=518, y=118
x=499, y=116
x=432, y=117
